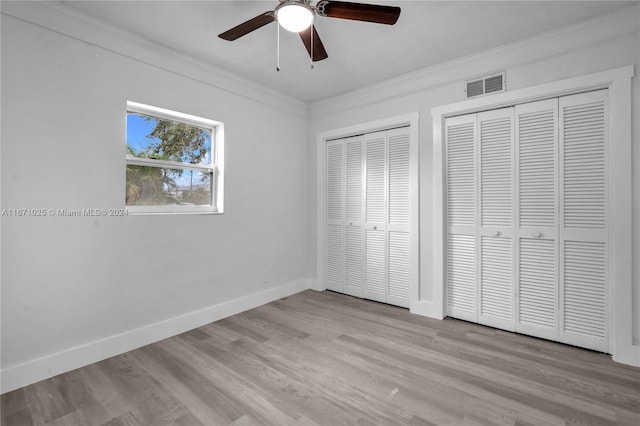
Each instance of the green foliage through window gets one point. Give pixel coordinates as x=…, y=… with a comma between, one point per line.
x=165, y=140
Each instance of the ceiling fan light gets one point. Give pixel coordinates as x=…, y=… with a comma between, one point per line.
x=294, y=16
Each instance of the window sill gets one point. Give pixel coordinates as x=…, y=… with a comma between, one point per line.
x=171, y=210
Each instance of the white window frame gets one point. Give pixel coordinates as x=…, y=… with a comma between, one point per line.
x=215, y=169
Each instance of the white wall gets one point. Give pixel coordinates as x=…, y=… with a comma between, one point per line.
x=77, y=289
x=604, y=43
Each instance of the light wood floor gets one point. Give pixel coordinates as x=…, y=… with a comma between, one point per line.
x=329, y=359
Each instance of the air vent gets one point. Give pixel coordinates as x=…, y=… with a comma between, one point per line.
x=485, y=85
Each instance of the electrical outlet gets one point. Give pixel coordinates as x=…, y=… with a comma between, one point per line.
x=265, y=277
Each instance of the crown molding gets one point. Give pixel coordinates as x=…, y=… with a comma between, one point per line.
x=603, y=29
x=65, y=20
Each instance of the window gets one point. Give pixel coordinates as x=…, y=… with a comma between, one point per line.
x=173, y=162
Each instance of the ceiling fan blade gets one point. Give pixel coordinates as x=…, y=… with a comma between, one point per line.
x=248, y=26
x=319, y=53
x=359, y=11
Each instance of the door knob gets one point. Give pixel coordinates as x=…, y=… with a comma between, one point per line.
x=536, y=234
x=375, y=227
x=495, y=233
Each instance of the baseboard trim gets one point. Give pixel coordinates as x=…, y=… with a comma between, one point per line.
x=316, y=285
x=426, y=309
x=627, y=354
x=33, y=371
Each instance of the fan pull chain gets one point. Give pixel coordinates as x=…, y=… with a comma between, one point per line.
x=278, y=49
x=312, y=31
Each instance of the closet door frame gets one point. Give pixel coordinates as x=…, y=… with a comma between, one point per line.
x=411, y=120
x=618, y=83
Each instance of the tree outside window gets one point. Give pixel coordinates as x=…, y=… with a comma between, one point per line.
x=170, y=161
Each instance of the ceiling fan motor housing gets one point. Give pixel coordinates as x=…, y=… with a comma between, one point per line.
x=320, y=7
x=294, y=15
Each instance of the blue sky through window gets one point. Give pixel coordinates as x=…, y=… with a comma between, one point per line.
x=138, y=128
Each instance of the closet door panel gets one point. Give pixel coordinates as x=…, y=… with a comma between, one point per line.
x=495, y=215
x=354, y=167
x=399, y=217
x=335, y=181
x=496, y=282
x=354, y=215
x=335, y=258
x=399, y=268
x=354, y=261
x=536, y=216
x=335, y=211
x=461, y=184
x=583, y=140
x=537, y=165
x=375, y=166
x=375, y=287
x=537, y=300
x=461, y=277
x=460, y=175
x=583, y=231
x=496, y=169
x=584, y=296
x=399, y=178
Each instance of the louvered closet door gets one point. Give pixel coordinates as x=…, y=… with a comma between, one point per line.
x=335, y=211
x=354, y=214
x=370, y=249
x=375, y=287
x=537, y=210
x=496, y=292
x=399, y=216
x=461, y=296
x=583, y=213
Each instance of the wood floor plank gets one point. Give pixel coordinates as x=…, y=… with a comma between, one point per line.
x=14, y=408
x=126, y=419
x=322, y=358
x=244, y=394
x=21, y=417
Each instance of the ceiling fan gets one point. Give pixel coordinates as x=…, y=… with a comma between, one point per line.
x=298, y=16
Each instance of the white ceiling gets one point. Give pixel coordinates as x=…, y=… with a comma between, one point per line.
x=360, y=54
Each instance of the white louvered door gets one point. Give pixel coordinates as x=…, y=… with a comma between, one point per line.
x=583, y=220
x=369, y=242
x=375, y=216
x=495, y=189
x=461, y=217
x=399, y=217
x=354, y=215
x=537, y=248
x=527, y=218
